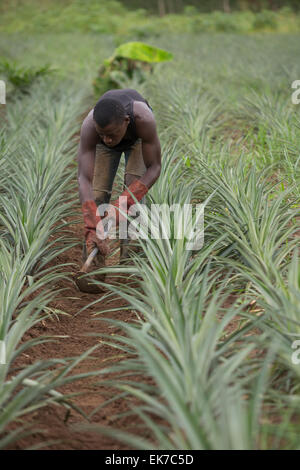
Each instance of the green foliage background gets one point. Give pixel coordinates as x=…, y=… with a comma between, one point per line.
x=113, y=17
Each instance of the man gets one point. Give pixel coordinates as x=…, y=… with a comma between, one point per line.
x=122, y=121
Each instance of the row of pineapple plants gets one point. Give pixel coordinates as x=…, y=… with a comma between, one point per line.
x=36, y=161
x=215, y=329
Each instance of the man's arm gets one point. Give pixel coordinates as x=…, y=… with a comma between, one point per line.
x=146, y=130
x=86, y=161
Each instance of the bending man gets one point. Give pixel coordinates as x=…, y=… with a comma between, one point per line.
x=121, y=121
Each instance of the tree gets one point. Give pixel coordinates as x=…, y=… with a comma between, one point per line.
x=226, y=6
x=161, y=7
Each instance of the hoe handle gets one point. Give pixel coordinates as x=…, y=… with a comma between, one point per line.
x=93, y=253
x=89, y=260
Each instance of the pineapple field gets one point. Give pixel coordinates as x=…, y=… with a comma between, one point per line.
x=183, y=349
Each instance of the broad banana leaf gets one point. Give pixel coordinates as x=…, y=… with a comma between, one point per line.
x=142, y=51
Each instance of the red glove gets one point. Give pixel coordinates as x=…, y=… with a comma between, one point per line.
x=91, y=222
x=138, y=190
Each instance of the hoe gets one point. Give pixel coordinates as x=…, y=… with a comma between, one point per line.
x=86, y=284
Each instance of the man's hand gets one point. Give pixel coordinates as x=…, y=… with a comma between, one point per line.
x=121, y=206
x=92, y=221
x=94, y=224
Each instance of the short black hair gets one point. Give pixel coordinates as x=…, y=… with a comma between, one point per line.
x=108, y=110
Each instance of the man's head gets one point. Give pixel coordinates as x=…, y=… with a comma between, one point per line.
x=111, y=121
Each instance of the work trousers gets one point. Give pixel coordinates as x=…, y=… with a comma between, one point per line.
x=106, y=165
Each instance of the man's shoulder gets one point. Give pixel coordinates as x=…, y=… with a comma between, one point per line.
x=142, y=112
x=144, y=121
x=88, y=132
x=88, y=123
